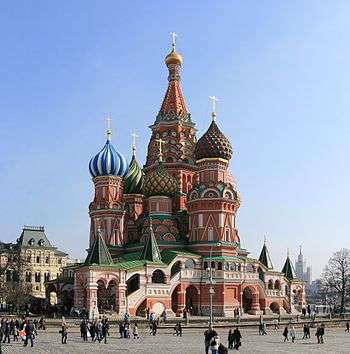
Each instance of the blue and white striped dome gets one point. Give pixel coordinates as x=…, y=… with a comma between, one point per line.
x=108, y=162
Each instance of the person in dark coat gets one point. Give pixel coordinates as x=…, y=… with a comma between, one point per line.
x=83, y=330
x=7, y=331
x=121, y=329
x=209, y=334
x=237, y=338
x=285, y=334
x=29, y=330
x=347, y=327
x=321, y=333
x=230, y=339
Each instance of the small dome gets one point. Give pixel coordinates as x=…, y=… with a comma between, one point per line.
x=213, y=144
x=133, y=180
x=160, y=183
x=108, y=162
x=173, y=58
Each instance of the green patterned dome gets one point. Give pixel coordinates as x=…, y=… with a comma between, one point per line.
x=213, y=144
x=160, y=183
x=133, y=180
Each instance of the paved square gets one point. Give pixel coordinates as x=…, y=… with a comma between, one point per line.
x=336, y=341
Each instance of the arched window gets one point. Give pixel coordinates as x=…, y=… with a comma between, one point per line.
x=219, y=266
x=175, y=268
x=37, y=259
x=227, y=234
x=133, y=284
x=277, y=285
x=205, y=265
x=158, y=277
x=210, y=233
x=270, y=284
x=189, y=264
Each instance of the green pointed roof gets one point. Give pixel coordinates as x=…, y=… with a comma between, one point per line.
x=264, y=257
x=288, y=269
x=151, y=250
x=99, y=253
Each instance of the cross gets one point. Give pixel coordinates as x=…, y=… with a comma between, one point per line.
x=265, y=239
x=213, y=102
x=173, y=35
x=134, y=136
x=109, y=124
x=160, y=141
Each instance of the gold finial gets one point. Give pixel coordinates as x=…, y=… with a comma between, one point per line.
x=109, y=131
x=133, y=145
x=160, y=141
x=173, y=57
x=213, y=103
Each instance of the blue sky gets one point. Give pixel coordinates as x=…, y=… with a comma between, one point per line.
x=280, y=69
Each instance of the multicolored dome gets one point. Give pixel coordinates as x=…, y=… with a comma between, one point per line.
x=213, y=144
x=108, y=162
x=134, y=179
x=160, y=183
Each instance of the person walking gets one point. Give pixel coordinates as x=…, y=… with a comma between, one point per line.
x=147, y=313
x=214, y=344
x=178, y=329
x=135, y=331
x=64, y=332
x=83, y=330
x=15, y=333
x=305, y=331
x=105, y=330
x=285, y=334
x=209, y=334
x=230, y=339
x=275, y=322
x=264, y=329
x=6, y=331
x=237, y=338
x=292, y=333
x=347, y=327
x=322, y=332
x=154, y=328
x=29, y=331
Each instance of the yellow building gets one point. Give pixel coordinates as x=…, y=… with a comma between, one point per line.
x=32, y=260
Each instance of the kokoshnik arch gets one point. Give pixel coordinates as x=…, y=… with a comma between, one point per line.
x=155, y=230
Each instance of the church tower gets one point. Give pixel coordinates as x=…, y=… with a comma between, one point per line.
x=174, y=125
x=213, y=202
x=106, y=211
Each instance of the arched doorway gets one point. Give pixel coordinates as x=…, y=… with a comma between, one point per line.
x=274, y=307
x=133, y=284
x=111, y=296
x=247, y=299
x=158, y=276
x=192, y=300
x=175, y=299
x=101, y=295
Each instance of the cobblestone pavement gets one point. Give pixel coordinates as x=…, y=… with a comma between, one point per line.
x=336, y=341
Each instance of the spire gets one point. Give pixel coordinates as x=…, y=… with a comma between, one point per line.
x=151, y=250
x=300, y=254
x=288, y=269
x=99, y=253
x=264, y=257
x=174, y=106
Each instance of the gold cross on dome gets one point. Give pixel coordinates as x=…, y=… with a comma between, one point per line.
x=134, y=137
x=213, y=103
x=173, y=35
x=160, y=141
x=109, y=125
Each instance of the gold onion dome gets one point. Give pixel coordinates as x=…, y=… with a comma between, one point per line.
x=173, y=58
x=160, y=183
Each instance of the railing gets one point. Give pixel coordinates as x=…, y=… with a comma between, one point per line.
x=157, y=289
x=134, y=297
x=272, y=292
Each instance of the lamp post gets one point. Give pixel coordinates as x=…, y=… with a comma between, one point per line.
x=211, y=272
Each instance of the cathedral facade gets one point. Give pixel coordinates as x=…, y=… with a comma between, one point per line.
x=164, y=236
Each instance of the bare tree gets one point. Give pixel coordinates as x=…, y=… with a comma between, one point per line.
x=336, y=277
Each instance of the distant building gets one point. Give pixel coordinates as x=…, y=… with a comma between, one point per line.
x=302, y=272
x=32, y=259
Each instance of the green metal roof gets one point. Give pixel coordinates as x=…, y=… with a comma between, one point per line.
x=151, y=250
x=169, y=255
x=264, y=257
x=288, y=269
x=99, y=253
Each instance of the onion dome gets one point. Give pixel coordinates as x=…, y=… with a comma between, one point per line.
x=133, y=180
x=213, y=144
x=160, y=183
x=173, y=58
x=108, y=162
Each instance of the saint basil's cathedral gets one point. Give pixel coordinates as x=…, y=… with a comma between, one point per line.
x=164, y=236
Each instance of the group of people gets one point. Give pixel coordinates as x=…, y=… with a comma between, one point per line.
x=290, y=332
x=97, y=330
x=213, y=343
